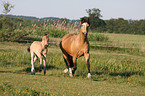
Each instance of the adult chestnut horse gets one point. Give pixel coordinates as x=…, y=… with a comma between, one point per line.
x=74, y=46
x=39, y=49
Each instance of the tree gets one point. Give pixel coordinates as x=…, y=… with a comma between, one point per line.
x=95, y=22
x=94, y=12
x=7, y=7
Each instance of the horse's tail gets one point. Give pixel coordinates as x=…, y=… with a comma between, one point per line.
x=68, y=56
x=28, y=49
x=60, y=45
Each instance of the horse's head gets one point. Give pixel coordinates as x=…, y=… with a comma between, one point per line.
x=84, y=27
x=45, y=40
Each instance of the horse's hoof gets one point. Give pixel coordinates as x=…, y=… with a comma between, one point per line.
x=71, y=75
x=65, y=71
x=89, y=75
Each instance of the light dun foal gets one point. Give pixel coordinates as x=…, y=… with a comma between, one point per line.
x=39, y=49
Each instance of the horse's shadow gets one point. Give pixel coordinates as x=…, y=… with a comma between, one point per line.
x=115, y=74
x=126, y=74
x=28, y=70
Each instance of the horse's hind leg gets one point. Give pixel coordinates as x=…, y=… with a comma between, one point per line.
x=32, y=63
x=66, y=70
x=66, y=59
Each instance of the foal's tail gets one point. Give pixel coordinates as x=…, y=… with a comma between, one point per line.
x=28, y=49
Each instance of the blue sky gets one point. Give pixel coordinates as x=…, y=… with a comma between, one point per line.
x=75, y=9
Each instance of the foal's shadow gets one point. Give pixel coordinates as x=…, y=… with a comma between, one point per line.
x=28, y=69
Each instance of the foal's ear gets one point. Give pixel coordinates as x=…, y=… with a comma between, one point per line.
x=45, y=34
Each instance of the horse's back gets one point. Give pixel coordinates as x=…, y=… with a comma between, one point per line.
x=36, y=46
x=68, y=36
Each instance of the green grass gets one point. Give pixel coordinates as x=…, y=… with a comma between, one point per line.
x=115, y=72
x=125, y=40
x=25, y=84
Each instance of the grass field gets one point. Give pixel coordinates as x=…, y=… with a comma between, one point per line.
x=115, y=72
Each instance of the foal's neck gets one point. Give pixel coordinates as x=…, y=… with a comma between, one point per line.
x=43, y=42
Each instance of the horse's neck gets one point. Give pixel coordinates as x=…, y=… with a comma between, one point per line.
x=82, y=39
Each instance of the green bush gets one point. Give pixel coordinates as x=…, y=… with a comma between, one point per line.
x=98, y=37
x=57, y=33
x=13, y=35
x=53, y=32
x=10, y=31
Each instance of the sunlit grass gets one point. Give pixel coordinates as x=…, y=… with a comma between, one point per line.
x=126, y=40
x=107, y=67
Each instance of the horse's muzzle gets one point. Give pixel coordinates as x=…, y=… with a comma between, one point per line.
x=85, y=34
x=45, y=46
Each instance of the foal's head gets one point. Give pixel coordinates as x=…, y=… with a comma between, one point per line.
x=45, y=39
x=84, y=26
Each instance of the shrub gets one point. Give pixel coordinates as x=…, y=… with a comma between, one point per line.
x=98, y=37
x=57, y=31
x=10, y=31
x=13, y=35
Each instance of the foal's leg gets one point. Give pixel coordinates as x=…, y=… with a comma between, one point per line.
x=32, y=63
x=86, y=55
x=35, y=58
x=44, y=60
x=40, y=57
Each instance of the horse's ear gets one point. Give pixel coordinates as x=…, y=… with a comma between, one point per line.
x=88, y=21
x=82, y=20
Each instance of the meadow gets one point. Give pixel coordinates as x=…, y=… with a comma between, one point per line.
x=117, y=66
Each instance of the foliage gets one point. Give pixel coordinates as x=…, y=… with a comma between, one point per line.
x=98, y=37
x=7, y=7
x=94, y=12
x=121, y=25
x=54, y=29
x=11, y=30
x=94, y=18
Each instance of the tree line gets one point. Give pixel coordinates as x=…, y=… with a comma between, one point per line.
x=119, y=25
x=13, y=27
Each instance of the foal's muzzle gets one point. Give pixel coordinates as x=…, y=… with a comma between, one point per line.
x=45, y=46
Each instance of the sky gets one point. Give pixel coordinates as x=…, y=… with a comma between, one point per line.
x=75, y=9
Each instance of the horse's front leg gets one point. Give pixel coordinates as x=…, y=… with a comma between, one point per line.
x=86, y=55
x=75, y=65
